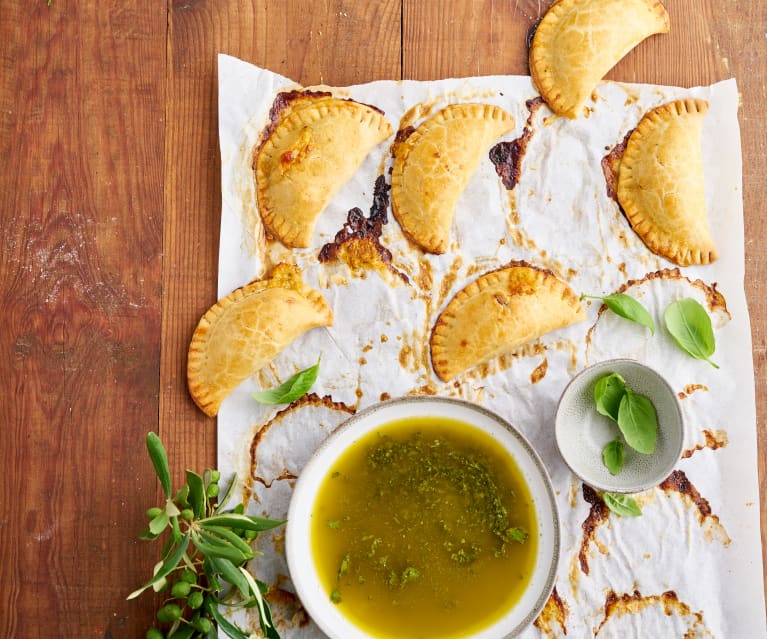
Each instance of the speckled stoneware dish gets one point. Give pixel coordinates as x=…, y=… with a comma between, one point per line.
x=582, y=432
x=313, y=594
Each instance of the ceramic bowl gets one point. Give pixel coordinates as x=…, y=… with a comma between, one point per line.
x=298, y=546
x=582, y=432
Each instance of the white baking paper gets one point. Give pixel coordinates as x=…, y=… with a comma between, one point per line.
x=690, y=566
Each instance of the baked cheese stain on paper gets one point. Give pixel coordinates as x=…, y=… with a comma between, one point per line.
x=598, y=514
x=282, y=460
x=634, y=603
x=713, y=440
x=553, y=618
x=678, y=483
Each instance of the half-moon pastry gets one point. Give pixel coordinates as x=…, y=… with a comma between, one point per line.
x=578, y=41
x=661, y=186
x=433, y=165
x=313, y=149
x=245, y=330
x=498, y=312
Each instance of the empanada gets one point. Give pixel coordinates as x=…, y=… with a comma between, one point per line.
x=432, y=167
x=660, y=183
x=307, y=155
x=578, y=41
x=245, y=330
x=498, y=312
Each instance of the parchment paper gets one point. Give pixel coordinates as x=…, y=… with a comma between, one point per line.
x=690, y=566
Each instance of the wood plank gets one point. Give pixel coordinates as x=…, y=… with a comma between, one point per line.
x=81, y=128
x=738, y=38
x=454, y=38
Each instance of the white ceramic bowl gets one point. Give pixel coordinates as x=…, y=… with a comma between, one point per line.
x=582, y=432
x=298, y=543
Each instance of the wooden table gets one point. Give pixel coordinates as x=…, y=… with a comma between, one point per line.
x=110, y=194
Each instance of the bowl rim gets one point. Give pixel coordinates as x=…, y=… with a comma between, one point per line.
x=606, y=363
x=549, y=505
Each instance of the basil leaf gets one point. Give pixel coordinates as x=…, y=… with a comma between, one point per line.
x=608, y=392
x=612, y=456
x=623, y=505
x=159, y=460
x=690, y=326
x=627, y=307
x=638, y=422
x=297, y=386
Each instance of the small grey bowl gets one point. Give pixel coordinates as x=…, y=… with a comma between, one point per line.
x=582, y=432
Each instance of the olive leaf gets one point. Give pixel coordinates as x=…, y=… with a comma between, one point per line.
x=204, y=546
x=159, y=523
x=612, y=456
x=627, y=307
x=167, y=567
x=245, y=522
x=638, y=422
x=690, y=326
x=159, y=460
x=289, y=391
x=624, y=505
x=196, y=493
x=608, y=392
x=224, y=624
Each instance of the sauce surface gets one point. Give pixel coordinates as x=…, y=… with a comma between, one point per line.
x=425, y=528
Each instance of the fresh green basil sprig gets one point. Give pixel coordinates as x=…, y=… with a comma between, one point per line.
x=690, y=326
x=612, y=456
x=204, y=556
x=623, y=505
x=290, y=390
x=626, y=307
x=634, y=414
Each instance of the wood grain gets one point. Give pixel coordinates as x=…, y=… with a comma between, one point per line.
x=110, y=205
x=304, y=40
x=82, y=109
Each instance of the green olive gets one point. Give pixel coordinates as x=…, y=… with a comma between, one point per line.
x=154, y=633
x=189, y=576
x=212, y=490
x=203, y=624
x=194, y=601
x=215, y=475
x=180, y=589
x=151, y=513
x=169, y=613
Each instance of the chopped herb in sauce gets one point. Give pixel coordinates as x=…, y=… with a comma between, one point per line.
x=438, y=534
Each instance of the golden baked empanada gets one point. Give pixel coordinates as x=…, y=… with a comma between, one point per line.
x=660, y=183
x=498, y=312
x=578, y=41
x=432, y=167
x=245, y=330
x=307, y=155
